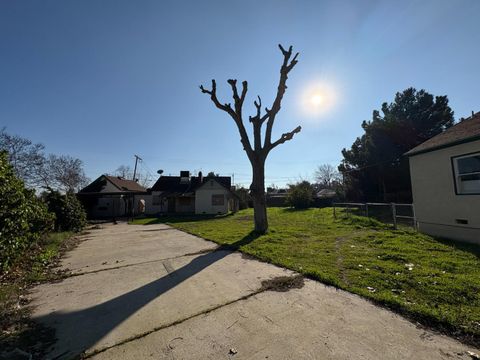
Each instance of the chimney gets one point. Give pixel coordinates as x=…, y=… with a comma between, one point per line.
x=184, y=177
x=200, y=177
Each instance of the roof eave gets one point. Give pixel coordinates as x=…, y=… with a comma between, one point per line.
x=443, y=146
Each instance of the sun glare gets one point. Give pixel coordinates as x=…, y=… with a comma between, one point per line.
x=317, y=99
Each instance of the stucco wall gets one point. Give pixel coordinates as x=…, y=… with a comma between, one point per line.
x=437, y=206
x=203, y=199
x=152, y=209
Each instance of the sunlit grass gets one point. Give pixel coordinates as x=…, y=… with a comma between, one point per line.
x=436, y=282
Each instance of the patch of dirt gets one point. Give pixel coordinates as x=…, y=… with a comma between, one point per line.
x=17, y=330
x=283, y=283
x=27, y=336
x=338, y=244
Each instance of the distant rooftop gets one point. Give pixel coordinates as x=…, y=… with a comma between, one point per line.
x=465, y=131
x=122, y=184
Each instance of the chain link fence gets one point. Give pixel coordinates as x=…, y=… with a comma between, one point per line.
x=389, y=213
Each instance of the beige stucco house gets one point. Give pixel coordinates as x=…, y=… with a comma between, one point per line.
x=445, y=175
x=191, y=194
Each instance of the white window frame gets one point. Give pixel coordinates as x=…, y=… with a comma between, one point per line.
x=457, y=176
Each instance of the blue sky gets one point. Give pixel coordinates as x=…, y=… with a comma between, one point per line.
x=104, y=80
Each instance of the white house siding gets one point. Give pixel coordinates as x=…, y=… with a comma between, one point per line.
x=203, y=198
x=151, y=206
x=437, y=207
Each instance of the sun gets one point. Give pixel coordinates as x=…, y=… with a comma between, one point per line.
x=317, y=99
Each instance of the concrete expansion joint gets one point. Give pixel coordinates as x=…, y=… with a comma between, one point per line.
x=69, y=275
x=279, y=283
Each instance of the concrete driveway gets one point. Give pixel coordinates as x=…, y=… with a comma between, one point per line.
x=140, y=292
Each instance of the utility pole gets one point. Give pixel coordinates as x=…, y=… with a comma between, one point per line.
x=135, y=170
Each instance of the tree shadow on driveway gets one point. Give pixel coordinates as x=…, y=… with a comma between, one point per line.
x=80, y=330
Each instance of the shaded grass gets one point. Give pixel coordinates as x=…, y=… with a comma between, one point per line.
x=436, y=282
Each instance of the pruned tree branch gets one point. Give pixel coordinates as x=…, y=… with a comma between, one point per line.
x=287, y=66
x=285, y=137
x=235, y=114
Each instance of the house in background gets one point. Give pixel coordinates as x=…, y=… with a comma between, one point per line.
x=445, y=175
x=191, y=194
x=112, y=196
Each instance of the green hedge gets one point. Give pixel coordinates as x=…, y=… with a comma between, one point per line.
x=23, y=217
x=69, y=212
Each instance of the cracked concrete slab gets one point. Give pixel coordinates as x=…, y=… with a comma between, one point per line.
x=165, y=302
x=122, y=244
x=98, y=310
x=314, y=322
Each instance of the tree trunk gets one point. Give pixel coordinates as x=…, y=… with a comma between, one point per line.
x=258, y=194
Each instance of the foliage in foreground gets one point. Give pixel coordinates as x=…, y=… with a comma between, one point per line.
x=24, y=219
x=69, y=212
x=37, y=265
x=435, y=282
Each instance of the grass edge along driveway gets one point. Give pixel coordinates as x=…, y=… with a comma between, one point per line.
x=432, y=281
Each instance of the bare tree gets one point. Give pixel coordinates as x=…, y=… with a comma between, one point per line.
x=124, y=171
x=26, y=157
x=327, y=175
x=64, y=173
x=257, y=154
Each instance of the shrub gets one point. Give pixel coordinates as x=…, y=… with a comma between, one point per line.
x=23, y=217
x=300, y=196
x=69, y=212
x=244, y=198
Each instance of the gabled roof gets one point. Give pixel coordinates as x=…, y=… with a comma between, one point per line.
x=173, y=184
x=122, y=185
x=465, y=131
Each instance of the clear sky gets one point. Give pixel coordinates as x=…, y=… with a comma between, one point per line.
x=104, y=80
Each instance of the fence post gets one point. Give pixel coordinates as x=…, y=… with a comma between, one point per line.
x=334, y=212
x=394, y=215
x=415, y=226
x=366, y=209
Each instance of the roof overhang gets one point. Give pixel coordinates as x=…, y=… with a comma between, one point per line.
x=444, y=146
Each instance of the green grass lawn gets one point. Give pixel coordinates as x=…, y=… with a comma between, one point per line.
x=435, y=282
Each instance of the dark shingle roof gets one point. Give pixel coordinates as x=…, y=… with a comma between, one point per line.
x=124, y=184
x=465, y=131
x=173, y=184
x=121, y=184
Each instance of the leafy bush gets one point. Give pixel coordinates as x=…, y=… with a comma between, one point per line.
x=23, y=217
x=300, y=196
x=69, y=212
x=244, y=198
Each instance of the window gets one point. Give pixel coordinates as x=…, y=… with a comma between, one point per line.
x=218, y=200
x=466, y=170
x=156, y=200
